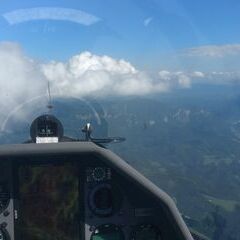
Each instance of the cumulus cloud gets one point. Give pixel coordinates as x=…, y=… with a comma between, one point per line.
x=47, y=13
x=214, y=51
x=23, y=79
x=87, y=74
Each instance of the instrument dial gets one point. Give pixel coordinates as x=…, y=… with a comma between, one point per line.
x=104, y=200
x=99, y=174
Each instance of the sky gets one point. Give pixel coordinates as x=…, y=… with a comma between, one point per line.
x=106, y=48
x=142, y=32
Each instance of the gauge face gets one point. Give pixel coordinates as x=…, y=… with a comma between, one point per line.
x=107, y=232
x=146, y=232
x=104, y=200
x=99, y=173
x=4, y=197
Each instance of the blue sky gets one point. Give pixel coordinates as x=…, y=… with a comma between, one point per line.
x=148, y=33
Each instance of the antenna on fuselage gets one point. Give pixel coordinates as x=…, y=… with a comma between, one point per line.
x=49, y=105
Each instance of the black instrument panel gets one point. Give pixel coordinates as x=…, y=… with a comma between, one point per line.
x=116, y=209
x=78, y=198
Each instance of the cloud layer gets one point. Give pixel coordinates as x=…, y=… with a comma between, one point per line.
x=82, y=75
x=88, y=74
x=214, y=51
x=23, y=79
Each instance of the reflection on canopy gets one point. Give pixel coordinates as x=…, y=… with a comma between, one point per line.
x=47, y=13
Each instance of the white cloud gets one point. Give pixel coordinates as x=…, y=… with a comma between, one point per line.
x=86, y=74
x=180, y=79
x=20, y=78
x=214, y=51
x=198, y=74
x=184, y=81
x=24, y=80
x=47, y=13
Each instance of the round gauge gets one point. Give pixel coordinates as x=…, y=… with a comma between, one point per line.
x=146, y=232
x=107, y=232
x=4, y=197
x=104, y=200
x=4, y=235
x=99, y=173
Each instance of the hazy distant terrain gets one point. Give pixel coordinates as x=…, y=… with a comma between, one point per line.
x=187, y=142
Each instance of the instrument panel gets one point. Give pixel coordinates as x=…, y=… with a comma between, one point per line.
x=64, y=198
x=113, y=213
